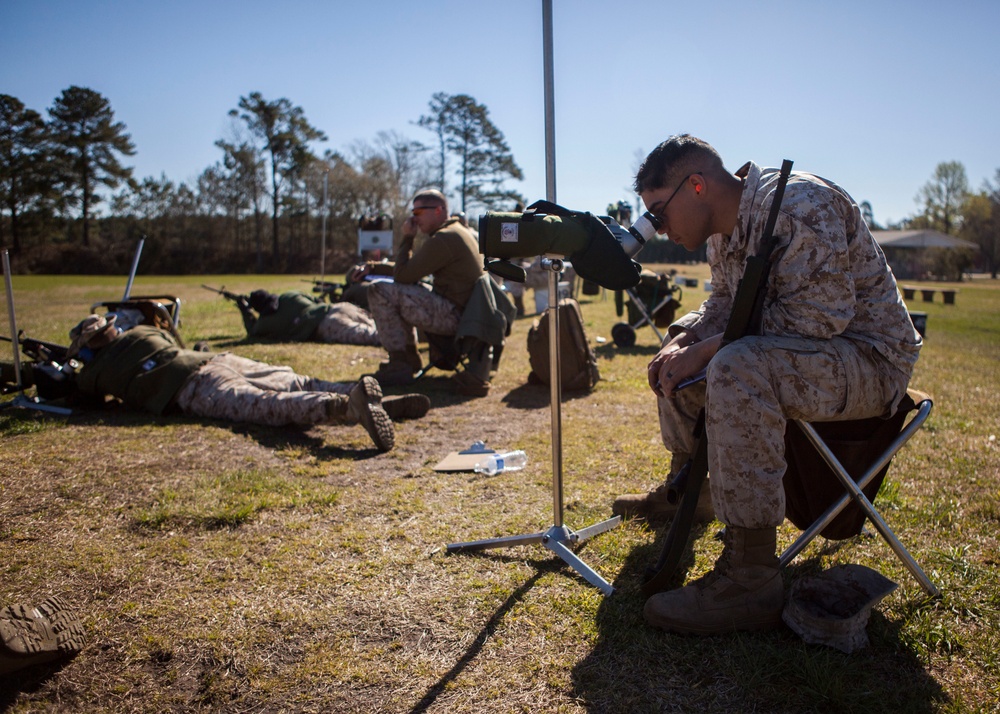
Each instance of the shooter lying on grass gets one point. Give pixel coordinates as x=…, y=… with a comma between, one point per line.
x=297, y=317
x=146, y=369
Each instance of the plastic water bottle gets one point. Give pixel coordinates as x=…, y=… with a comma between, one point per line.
x=506, y=461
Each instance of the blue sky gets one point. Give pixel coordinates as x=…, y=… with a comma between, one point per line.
x=872, y=95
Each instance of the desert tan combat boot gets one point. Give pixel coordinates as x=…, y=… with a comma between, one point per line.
x=406, y=406
x=654, y=506
x=364, y=406
x=744, y=591
x=409, y=355
x=33, y=635
x=399, y=369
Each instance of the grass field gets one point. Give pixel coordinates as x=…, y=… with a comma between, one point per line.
x=239, y=569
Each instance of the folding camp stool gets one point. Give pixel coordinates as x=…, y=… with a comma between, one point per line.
x=642, y=310
x=920, y=404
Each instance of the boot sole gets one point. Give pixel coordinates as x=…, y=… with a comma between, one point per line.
x=35, y=635
x=373, y=417
x=406, y=406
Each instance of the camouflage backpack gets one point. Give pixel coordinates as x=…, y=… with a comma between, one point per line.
x=577, y=361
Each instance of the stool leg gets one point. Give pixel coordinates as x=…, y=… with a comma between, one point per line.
x=854, y=491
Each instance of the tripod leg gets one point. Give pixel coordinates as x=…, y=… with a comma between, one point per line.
x=505, y=542
x=590, y=531
x=579, y=566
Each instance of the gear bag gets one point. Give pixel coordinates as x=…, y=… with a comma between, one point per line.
x=577, y=361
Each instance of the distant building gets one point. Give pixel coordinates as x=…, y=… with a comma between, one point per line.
x=912, y=254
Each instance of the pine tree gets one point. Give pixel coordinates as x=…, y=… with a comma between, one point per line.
x=88, y=141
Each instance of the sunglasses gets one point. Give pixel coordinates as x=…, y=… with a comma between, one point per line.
x=418, y=210
x=657, y=216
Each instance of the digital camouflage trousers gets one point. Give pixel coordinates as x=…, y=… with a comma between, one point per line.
x=347, y=324
x=753, y=387
x=242, y=390
x=399, y=310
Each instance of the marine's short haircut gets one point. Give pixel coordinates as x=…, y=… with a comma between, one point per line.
x=679, y=155
x=431, y=195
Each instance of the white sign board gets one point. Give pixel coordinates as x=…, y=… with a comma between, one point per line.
x=375, y=240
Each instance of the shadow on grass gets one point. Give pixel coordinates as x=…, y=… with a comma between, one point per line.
x=221, y=343
x=551, y=564
x=16, y=420
x=437, y=385
x=273, y=438
x=636, y=668
x=27, y=681
x=609, y=350
x=481, y=638
x=536, y=396
x=298, y=438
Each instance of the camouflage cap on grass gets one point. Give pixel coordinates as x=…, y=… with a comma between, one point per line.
x=833, y=608
x=91, y=330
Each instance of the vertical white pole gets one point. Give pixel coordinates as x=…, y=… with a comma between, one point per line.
x=322, y=250
x=550, y=104
x=135, y=266
x=13, y=321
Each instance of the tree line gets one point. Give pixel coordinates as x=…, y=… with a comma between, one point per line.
x=70, y=203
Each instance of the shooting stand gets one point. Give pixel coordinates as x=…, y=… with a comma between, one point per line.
x=21, y=400
x=558, y=537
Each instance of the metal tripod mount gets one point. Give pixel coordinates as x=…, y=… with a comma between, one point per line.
x=21, y=400
x=558, y=537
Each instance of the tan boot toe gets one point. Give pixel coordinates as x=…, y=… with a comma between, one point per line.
x=743, y=592
x=655, y=505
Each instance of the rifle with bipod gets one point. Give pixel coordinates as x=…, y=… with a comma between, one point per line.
x=39, y=350
x=684, y=489
x=326, y=289
x=50, y=372
x=242, y=302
